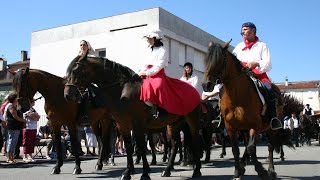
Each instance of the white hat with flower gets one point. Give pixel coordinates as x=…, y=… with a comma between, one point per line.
x=153, y=32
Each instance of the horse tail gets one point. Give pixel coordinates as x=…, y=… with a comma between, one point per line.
x=279, y=138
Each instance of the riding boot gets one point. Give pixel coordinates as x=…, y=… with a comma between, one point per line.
x=275, y=122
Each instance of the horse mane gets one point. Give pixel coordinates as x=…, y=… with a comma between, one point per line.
x=16, y=83
x=18, y=77
x=123, y=73
x=215, y=57
x=72, y=63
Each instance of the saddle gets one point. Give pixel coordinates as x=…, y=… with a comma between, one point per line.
x=261, y=90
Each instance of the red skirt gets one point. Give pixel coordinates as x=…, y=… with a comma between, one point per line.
x=175, y=96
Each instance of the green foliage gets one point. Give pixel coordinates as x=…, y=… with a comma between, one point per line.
x=291, y=104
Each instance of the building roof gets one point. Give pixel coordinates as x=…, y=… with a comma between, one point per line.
x=299, y=85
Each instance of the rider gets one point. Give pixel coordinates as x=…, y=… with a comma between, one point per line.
x=255, y=55
x=160, y=91
x=85, y=50
x=188, y=76
x=213, y=97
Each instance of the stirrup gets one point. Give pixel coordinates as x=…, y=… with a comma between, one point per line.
x=277, y=125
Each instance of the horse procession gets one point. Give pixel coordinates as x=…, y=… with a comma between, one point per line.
x=118, y=92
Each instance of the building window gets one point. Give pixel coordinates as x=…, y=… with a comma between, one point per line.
x=101, y=52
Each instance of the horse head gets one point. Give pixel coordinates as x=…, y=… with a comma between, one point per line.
x=77, y=79
x=215, y=61
x=21, y=86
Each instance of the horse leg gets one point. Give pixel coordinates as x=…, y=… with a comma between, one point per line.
x=238, y=171
x=174, y=136
x=57, y=142
x=271, y=169
x=223, y=145
x=281, y=153
x=207, y=135
x=142, y=147
x=126, y=175
x=165, y=146
x=75, y=144
x=262, y=172
x=194, y=127
x=153, y=149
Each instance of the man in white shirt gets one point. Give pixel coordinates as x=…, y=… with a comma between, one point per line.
x=294, y=125
x=254, y=54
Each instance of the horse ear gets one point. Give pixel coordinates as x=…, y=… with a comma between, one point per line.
x=226, y=45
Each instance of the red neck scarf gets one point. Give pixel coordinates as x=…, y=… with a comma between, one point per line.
x=250, y=44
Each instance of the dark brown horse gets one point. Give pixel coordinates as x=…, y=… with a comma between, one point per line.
x=241, y=107
x=122, y=89
x=60, y=112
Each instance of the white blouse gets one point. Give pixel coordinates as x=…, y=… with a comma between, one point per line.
x=193, y=80
x=259, y=53
x=158, y=58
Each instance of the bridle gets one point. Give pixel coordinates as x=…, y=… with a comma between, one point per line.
x=222, y=68
x=24, y=99
x=81, y=89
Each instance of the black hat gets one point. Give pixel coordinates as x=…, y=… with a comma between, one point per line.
x=188, y=64
x=249, y=24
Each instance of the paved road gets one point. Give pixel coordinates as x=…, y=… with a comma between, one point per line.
x=302, y=163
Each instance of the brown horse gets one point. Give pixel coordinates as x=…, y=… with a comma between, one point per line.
x=122, y=89
x=60, y=112
x=241, y=107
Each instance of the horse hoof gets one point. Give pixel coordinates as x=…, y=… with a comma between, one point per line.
x=77, y=171
x=125, y=177
x=207, y=160
x=166, y=173
x=196, y=174
x=145, y=177
x=55, y=171
x=221, y=156
x=282, y=158
x=153, y=163
x=98, y=167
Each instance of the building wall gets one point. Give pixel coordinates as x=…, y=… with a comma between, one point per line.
x=306, y=96
x=122, y=38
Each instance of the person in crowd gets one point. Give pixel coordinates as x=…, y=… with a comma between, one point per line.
x=255, y=55
x=4, y=123
x=308, y=110
x=294, y=124
x=66, y=142
x=45, y=136
x=120, y=149
x=162, y=93
x=91, y=141
x=15, y=123
x=29, y=133
x=188, y=75
x=213, y=96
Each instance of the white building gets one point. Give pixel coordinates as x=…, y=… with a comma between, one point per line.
x=307, y=92
x=120, y=38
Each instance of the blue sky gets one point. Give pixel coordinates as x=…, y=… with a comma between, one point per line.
x=290, y=28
